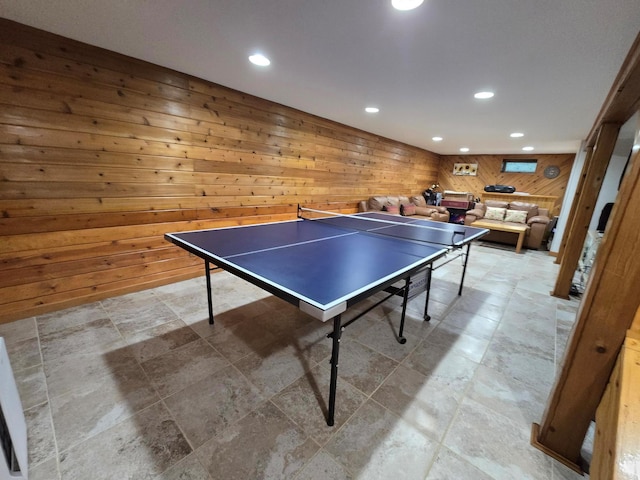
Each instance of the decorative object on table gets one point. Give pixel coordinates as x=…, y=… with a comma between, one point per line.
x=500, y=188
x=465, y=169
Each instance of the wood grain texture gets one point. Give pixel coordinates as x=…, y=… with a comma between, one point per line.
x=101, y=154
x=615, y=447
x=489, y=174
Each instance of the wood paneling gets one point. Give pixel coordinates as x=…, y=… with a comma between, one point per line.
x=101, y=154
x=489, y=174
x=616, y=455
x=543, y=201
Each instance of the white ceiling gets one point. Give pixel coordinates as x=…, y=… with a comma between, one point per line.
x=550, y=63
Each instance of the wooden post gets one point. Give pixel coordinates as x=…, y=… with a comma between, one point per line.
x=585, y=201
x=606, y=312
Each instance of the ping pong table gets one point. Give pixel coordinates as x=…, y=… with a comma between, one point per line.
x=324, y=265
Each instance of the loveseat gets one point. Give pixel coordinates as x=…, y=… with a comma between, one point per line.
x=403, y=205
x=511, y=213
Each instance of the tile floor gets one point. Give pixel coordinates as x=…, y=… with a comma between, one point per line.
x=141, y=387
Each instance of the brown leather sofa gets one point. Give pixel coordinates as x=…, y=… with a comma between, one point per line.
x=396, y=203
x=536, y=219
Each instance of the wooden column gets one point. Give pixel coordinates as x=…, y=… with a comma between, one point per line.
x=615, y=447
x=596, y=167
x=608, y=306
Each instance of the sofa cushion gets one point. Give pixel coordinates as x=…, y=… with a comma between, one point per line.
x=538, y=219
x=395, y=209
x=530, y=208
x=516, y=216
x=424, y=211
x=496, y=204
x=407, y=209
x=419, y=201
x=377, y=203
x=494, y=213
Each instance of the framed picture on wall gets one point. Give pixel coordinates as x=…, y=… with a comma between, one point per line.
x=465, y=169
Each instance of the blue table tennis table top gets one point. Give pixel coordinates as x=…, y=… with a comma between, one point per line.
x=326, y=266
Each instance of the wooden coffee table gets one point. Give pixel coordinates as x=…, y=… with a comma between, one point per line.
x=521, y=230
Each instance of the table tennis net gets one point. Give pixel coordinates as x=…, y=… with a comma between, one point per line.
x=383, y=227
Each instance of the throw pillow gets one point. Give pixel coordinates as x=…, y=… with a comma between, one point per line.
x=392, y=209
x=516, y=216
x=493, y=213
x=530, y=208
x=407, y=209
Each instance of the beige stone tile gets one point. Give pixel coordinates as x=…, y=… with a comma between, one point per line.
x=97, y=406
x=50, y=323
x=495, y=445
x=155, y=341
x=476, y=305
x=24, y=354
x=442, y=366
x=183, y=366
x=95, y=336
x=377, y=444
x=32, y=386
x=383, y=338
x=306, y=403
x=517, y=333
x=206, y=408
x=73, y=371
x=187, y=469
x=323, y=467
x=263, y=445
x=501, y=393
x=449, y=466
x=474, y=324
x=47, y=470
x=514, y=360
x=240, y=339
x=363, y=367
x=428, y=406
x=140, y=447
x=40, y=440
x=137, y=311
x=275, y=367
x=456, y=342
x=18, y=331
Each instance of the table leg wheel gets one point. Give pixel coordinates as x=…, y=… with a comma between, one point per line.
x=427, y=318
x=402, y=340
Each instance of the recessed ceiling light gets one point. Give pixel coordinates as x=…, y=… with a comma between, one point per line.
x=259, y=59
x=527, y=149
x=516, y=135
x=464, y=149
x=483, y=95
x=372, y=109
x=406, y=4
x=436, y=139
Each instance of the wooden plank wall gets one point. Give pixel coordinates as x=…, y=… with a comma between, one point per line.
x=101, y=154
x=489, y=174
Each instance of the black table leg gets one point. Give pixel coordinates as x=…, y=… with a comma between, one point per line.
x=464, y=268
x=337, y=332
x=427, y=317
x=207, y=272
x=405, y=298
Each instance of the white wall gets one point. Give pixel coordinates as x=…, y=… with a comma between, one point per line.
x=609, y=190
x=570, y=193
